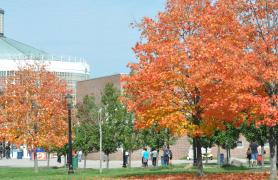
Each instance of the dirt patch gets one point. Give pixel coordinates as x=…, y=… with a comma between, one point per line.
x=220, y=176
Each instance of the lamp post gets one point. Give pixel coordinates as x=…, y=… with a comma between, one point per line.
x=35, y=127
x=100, y=140
x=70, y=106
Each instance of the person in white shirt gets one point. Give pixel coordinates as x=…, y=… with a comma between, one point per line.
x=154, y=155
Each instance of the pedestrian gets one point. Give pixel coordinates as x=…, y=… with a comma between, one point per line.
x=254, y=153
x=59, y=155
x=166, y=155
x=154, y=155
x=145, y=157
x=126, y=157
x=8, y=151
x=170, y=156
x=79, y=156
x=142, y=156
x=1, y=150
x=248, y=154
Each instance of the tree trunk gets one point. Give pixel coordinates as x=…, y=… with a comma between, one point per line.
x=48, y=159
x=107, y=161
x=65, y=160
x=229, y=156
x=129, y=158
x=218, y=155
x=200, y=171
x=206, y=155
x=262, y=153
x=273, y=154
x=124, y=159
x=36, y=162
x=227, y=152
x=85, y=160
x=194, y=152
x=157, y=157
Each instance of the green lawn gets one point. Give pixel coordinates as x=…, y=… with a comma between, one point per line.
x=61, y=173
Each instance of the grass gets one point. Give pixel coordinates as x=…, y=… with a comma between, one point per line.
x=117, y=173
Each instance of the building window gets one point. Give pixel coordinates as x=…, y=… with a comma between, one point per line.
x=239, y=144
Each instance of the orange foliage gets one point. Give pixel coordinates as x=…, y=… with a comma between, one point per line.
x=201, y=61
x=33, y=108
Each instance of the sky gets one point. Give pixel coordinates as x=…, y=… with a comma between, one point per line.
x=97, y=30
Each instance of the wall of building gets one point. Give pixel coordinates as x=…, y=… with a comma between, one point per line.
x=95, y=86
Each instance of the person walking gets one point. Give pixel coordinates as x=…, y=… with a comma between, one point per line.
x=79, y=156
x=248, y=154
x=166, y=155
x=170, y=156
x=154, y=155
x=8, y=151
x=254, y=153
x=145, y=157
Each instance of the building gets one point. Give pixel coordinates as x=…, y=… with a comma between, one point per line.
x=14, y=54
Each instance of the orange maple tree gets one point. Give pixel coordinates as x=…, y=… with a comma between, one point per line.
x=33, y=108
x=197, y=67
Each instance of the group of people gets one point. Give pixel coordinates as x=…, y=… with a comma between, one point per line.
x=253, y=155
x=166, y=158
x=5, y=151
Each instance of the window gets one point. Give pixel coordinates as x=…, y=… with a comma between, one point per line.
x=239, y=144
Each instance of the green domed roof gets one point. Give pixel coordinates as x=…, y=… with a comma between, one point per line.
x=10, y=48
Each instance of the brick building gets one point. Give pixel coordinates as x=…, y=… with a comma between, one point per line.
x=182, y=146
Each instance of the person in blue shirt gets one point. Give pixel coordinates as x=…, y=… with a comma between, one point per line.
x=145, y=157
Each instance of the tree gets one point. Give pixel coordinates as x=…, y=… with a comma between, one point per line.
x=84, y=139
x=112, y=117
x=227, y=139
x=86, y=130
x=211, y=61
x=207, y=142
x=129, y=136
x=179, y=80
x=34, y=108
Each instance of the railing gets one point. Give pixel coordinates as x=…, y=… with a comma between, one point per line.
x=45, y=58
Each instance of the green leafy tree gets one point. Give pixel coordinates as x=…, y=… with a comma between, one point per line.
x=84, y=139
x=129, y=136
x=112, y=117
x=86, y=130
x=227, y=139
x=207, y=142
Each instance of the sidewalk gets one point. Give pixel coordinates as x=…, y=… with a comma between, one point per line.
x=90, y=163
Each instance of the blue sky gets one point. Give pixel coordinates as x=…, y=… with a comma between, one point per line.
x=98, y=30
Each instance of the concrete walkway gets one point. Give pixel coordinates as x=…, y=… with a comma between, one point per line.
x=90, y=163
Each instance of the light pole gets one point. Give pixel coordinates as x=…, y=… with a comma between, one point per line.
x=35, y=126
x=100, y=140
x=70, y=106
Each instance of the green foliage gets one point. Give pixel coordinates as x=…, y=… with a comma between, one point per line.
x=85, y=132
x=62, y=150
x=87, y=110
x=253, y=133
x=227, y=139
x=207, y=142
x=85, y=139
x=156, y=137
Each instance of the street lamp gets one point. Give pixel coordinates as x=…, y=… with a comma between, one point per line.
x=35, y=127
x=100, y=140
x=70, y=106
